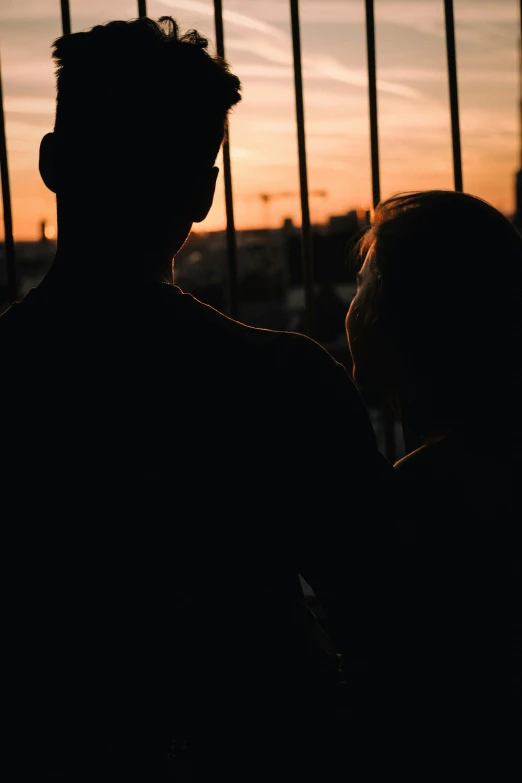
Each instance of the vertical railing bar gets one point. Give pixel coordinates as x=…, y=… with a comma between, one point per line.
x=10, y=257
x=66, y=17
x=142, y=8
x=520, y=84
x=227, y=175
x=388, y=419
x=372, y=97
x=453, y=93
x=306, y=228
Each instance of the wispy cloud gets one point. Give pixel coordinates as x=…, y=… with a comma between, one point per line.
x=465, y=75
x=328, y=67
x=28, y=105
x=401, y=75
x=424, y=16
x=317, y=66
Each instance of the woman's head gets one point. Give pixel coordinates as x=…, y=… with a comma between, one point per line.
x=439, y=300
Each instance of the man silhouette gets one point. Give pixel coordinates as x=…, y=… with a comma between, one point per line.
x=176, y=469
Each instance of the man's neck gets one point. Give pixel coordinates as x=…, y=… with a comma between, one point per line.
x=102, y=261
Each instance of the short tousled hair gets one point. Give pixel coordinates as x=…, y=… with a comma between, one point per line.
x=138, y=95
x=449, y=288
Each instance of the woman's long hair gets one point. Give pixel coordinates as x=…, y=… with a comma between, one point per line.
x=449, y=271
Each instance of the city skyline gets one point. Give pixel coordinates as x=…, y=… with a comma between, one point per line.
x=414, y=120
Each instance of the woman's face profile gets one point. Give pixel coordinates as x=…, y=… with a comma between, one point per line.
x=366, y=339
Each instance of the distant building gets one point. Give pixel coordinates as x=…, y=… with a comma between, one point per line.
x=33, y=261
x=47, y=231
x=288, y=227
x=344, y=224
x=331, y=252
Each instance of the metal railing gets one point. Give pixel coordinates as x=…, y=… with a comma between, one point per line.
x=306, y=228
x=10, y=257
x=387, y=415
x=233, y=288
x=66, y=17
x=453, y=92
x=306, y=231
x=372, y=100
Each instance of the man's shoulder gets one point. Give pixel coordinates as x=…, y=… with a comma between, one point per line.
x=297, y=380
x=289, y=348
x=8, y=316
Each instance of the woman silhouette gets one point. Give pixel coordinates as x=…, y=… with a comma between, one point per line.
x=435, y=329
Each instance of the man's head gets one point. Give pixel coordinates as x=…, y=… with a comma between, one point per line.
x=140, y=116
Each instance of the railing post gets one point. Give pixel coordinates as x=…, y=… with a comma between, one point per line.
x=142, y=8
x=517, y=217
x=453, y=93
x=10, y=257
x=66, y=18
x=227, y=175
x=372, y=97
x=388, y=418
x=306, y=228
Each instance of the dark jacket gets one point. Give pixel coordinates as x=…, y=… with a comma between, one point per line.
x=167, y=474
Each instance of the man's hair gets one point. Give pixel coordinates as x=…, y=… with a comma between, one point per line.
x=139, y=103
x=449, y=270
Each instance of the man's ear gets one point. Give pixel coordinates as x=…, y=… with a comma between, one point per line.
x=205, y=196
x=47, y=162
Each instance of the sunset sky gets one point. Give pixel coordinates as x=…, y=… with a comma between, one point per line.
x=414, y=117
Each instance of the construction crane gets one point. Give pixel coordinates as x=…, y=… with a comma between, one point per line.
x=266, y=198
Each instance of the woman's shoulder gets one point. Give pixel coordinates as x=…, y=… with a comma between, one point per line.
x=455, y=459
x=473, y=482
x=434, y=461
